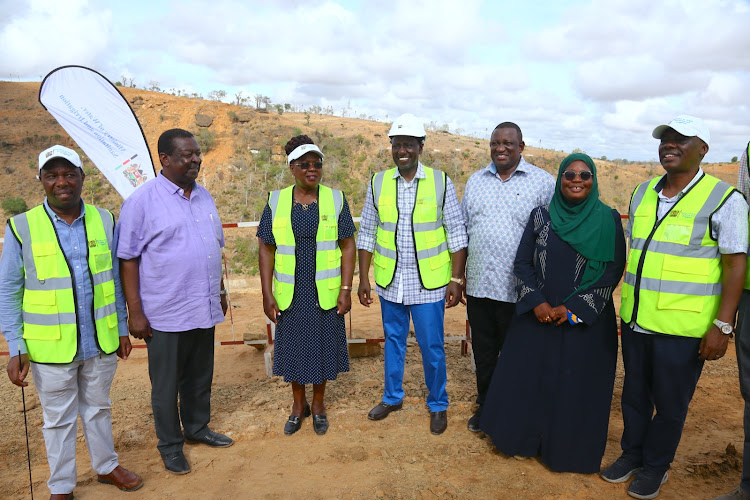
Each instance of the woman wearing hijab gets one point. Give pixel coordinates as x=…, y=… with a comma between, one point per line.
x=306, y=260
x=552, y=388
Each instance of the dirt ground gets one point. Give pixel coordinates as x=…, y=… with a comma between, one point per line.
x=357, y=458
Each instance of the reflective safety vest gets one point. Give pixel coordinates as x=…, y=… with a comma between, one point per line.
x=327, y=255
x=433, y=258
x=50, y=321
x=673, y=278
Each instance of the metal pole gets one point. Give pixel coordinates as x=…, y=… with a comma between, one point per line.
x=26, y=426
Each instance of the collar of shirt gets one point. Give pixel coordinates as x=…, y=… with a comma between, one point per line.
x=173, y=188
x=660, y=185
x=419, y=175
x=521, y=167
x=52, y=213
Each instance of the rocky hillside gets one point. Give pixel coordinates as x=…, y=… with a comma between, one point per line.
x=244, y=156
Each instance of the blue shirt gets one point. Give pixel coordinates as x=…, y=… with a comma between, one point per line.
x=72, y=239
x=496, y=213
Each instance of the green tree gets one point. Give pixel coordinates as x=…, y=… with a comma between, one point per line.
x=14, y=206
x=206, y=139
x=734, y=159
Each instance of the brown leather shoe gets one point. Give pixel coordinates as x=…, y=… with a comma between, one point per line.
x=382, y=410
x=438, y=422
x=122, y=478
x=61, y=496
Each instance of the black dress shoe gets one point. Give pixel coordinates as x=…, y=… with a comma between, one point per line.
x=176, y=463
x=320, y=424
x=212, y=438
x=294, y=423
x=382, y=410
x=473, y=424
x=438, y=422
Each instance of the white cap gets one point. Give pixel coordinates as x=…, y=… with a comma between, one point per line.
x=408, y=125
x=687, y=125
x=302, y=150
x=58, y=151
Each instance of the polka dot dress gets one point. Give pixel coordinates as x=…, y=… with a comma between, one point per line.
x=310, y=344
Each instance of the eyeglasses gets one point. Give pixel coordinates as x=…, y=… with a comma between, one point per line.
x=571, y=175
x=307, y=165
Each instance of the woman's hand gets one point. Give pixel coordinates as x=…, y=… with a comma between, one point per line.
x=544, y=313
x=271, y=308
x=559, y=315
x=344, y=304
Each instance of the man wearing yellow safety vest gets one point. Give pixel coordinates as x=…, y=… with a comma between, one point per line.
x=63, y=314
x=413, y=232
x=685, y=271
x=742, y=347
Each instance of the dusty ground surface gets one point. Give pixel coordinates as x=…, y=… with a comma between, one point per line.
x=357, y=458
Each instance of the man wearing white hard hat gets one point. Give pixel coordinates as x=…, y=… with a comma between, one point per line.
x=413, y=232
x=63, y=314
x=688, y=241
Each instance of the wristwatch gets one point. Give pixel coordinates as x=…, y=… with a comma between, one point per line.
x=723, y=326
x=460, y=281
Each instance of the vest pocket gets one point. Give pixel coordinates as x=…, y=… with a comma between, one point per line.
x=683, y=285
x=678, y=233
x=39, y=332
x=40, y=306
x=102, y=261
x=379, y=260
x=45, y=259
x=440, y=260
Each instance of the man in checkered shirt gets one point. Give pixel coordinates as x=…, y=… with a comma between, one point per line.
x=413, y=231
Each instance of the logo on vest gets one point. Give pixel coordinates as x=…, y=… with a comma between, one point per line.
x=681, y=214
x=96, y=243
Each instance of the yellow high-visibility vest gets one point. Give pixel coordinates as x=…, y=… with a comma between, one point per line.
x=673, y=277
x=50, y=321
x=430, y=243
x=327, y=255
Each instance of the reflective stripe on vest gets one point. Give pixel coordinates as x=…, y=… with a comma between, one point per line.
x=327, y=255
x=49, y=305
x=672, y=282
x=433, y=258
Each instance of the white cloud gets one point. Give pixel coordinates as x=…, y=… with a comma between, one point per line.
x=40, y=35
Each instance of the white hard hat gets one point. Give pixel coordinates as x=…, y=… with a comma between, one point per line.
x=408, y=125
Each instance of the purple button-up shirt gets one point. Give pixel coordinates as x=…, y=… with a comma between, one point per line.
x=179, y=242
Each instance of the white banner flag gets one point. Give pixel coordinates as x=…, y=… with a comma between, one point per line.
x=99, y=119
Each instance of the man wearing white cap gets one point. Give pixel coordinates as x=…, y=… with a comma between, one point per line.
x=413, y=232
x=63, y=313
x=688, y=242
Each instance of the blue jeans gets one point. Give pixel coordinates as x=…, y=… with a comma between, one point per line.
x=428, y=328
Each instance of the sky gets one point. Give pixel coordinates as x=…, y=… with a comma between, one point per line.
x=595, y=75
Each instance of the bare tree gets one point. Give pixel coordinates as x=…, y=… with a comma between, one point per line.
x=217, y=95
x=238, y=97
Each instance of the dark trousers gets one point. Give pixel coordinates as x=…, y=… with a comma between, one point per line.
x=661, y=372
x=742, y=345
x=489, y=320
x=180, y=363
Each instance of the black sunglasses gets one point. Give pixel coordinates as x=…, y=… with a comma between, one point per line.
x=584, y=175
x=306, y=166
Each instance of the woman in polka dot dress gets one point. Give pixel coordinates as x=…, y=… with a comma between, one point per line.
x=308, y=295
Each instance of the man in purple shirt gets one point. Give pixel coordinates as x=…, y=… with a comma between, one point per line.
x=170, y=241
